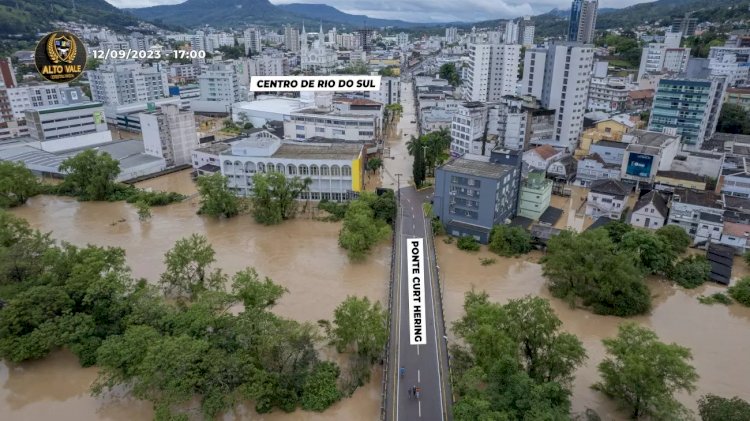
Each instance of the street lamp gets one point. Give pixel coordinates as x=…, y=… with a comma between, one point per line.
x=398, y=186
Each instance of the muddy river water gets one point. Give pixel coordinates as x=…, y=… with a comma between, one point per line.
x=303, y=255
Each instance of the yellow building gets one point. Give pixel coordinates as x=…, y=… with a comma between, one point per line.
x=609, y=129
x=681, y=179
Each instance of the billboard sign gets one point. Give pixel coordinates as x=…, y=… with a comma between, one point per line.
x=639, y=165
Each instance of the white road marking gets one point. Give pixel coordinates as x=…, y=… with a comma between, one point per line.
x=420, y=408
x=419, y=376
x=417, y=349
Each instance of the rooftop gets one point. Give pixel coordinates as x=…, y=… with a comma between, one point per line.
x=610, y=187
x=477, y=168
x=545, y=151
x=648, y=138
x=277, y=105
x=611, y=144
x=318, y=151
x=681, y=175
x=694, y=197
x=655, y=198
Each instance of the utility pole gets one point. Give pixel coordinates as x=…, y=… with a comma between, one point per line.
x=398, y=186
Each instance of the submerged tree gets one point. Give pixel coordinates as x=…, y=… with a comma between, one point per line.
x=216, y=198
x=274, y=197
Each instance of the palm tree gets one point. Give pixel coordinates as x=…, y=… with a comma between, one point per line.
x=412, y=144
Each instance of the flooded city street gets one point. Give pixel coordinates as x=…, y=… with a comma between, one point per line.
x=717, y=335
x=302, y=255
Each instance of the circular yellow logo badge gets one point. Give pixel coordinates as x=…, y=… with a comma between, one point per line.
x=60, y=57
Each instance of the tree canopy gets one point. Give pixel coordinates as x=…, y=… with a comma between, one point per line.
x=91, y=175
x=274, y=197
x=508, y=240
x=449, y=72
x=17, y=184
x=216, y=198
x=588, y=269
x=516, y=364
x=644, y=374
x=716, y=408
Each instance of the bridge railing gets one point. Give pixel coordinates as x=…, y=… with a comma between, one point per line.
x=387, y=350
x=438, y=279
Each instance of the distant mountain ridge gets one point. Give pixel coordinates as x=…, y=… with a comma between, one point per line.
x=32, y=16
x=331, y=14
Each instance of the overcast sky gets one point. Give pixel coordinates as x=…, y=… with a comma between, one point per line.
x=423, y=10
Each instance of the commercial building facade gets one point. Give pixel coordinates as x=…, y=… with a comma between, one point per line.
x=169, y=134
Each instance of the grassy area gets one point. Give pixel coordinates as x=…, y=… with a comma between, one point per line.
x=427, y=209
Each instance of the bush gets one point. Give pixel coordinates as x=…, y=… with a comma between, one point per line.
x=468, y=243
x=509, y=241
x=336, y=210
x=486, y=261
x=675, y=236
x=691, y=272
x=717, y=297
x=741, y=291
x=448, y=240
x=437, y=226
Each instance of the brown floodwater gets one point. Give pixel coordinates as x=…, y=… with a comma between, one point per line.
x=717, y=335
x=302, y=255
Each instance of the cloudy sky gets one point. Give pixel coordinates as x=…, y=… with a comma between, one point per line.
x=423, y=10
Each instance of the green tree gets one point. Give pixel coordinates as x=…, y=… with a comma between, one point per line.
x=691, y=272
x=17, y=184
x=506, y=240
x=716, y=408
x=374, y=164
x=740, y=291
x=644, y=373
x=733, y=119
x=144, y=210
x=90, y=175
x=320, y=390
x=617, y=230
x=216, y=198
x=588, y=268
x=387, y=71
x=419, y=169
x=449, y=72
x=516, y=363
x=361, y=230
x=359, y=326
x=653, y=254
x=254, y=293
x=676, y=237
x=275, y=197
x=188, y=269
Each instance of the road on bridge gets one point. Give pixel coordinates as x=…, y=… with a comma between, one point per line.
x=426, y=366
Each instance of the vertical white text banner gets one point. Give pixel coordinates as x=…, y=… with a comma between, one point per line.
x=415, y=276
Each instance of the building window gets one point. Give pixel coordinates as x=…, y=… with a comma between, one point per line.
x=313, y=170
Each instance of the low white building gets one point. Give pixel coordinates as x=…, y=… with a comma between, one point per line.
x=606, y=198
x=699, y=213
x=336, y=169
x=266, y=108
x=61, y=127
x=650, y=211
x=541, y=157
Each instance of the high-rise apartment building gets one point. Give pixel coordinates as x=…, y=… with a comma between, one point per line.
x=128, y=83
x=559, y=76
x=219, y=83
x=253, y=43
x=170, y=134
x=664, y=57
x=684, y=25
x=7, y=73
x=402, y=38
x=492, y=72
x=451, y=35
x=291, y=38
x=686, y=107
x=582, y=21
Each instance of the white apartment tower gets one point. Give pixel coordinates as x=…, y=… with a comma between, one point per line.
x=170, y=134
x=253, y=44
x=219, y=83
x=128, y=83
x=291, y=38
x=559, y=75
x=402, y=38
x=451, y=35
x=492, y=72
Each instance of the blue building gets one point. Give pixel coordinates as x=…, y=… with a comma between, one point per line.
x=474, y=193
x=582, y=21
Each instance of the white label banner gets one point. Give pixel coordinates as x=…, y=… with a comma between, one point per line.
x=339, y=83
x=415, y=277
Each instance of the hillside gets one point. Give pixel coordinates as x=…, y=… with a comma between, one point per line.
x=333, y=15
x=555, y=22
x=219, y=13
x=31, y=16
